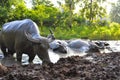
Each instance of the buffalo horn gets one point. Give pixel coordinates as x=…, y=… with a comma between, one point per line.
x=52, y=34
x=30, y=38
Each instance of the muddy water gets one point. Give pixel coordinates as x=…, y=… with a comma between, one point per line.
x=114, y=46
x=54, y=57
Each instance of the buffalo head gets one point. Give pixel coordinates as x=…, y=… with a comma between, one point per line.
x=40, y=46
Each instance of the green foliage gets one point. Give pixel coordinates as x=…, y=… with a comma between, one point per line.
x=40, y=14
x=79, y=20
x=67, y=13
x=3, y=15
x=20, y=11
x=43, y=13
x=6, y=10
x=115, y=12
x=111, y=32
x=63, y=21
x=101, y=33
x=9, y=3
x=52, y=18
x=102, y=22
x=43, y=2
x=114, y=25
x=92, y=9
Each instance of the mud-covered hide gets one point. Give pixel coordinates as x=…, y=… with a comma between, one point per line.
x=102, y=44
x=23, y=36
x=79, y=44
x=26, y=25
x=59, y=46
x=83, y=45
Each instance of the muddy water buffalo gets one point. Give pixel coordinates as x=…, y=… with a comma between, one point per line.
x=22, y=36
x=83, y=45
x=59, y=46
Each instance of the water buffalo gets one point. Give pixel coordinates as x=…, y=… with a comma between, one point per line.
x=22, y=36
x=59, y=46
x=83, y=45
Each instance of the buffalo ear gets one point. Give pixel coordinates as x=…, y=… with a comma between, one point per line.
x=30, y=38
x=97, y=43
x=50, y=38
x=106, y=44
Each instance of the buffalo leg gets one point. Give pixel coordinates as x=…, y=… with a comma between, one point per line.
x=19, y=56
x=44, y=56
x=11, y=52
x=31, y=57
x=4, y=51
x=18, y=50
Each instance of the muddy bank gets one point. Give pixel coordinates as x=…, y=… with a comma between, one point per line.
x=99, y=67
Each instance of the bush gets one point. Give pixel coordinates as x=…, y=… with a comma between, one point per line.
x=93, y=33
x=114, y=25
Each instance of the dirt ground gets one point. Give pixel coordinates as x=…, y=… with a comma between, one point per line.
x=97, y=67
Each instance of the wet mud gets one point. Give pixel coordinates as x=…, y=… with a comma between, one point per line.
x=94, y=66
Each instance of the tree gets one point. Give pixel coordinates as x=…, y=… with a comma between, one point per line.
x=68, y=10
x=71, y=6
x=6, y=7
x=115, y=12
x=9, y=3
x=91, y=9
x=20, y=11
x=43, y=2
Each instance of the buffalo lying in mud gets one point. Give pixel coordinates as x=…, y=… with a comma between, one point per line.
x=87, y=45
x=59, y=46
x=22, y=36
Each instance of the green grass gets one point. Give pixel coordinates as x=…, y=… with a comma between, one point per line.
x=111, y=32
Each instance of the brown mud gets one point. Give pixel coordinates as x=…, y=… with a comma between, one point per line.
x=101, y=67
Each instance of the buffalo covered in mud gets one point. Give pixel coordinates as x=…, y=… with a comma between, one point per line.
x=23, y=36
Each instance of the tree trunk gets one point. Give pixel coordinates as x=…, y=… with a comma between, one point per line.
x=91, y=17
